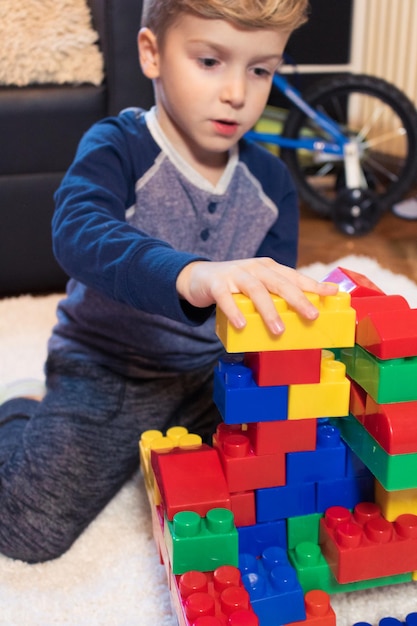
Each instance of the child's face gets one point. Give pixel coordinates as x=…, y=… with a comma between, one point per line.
x=212, y=81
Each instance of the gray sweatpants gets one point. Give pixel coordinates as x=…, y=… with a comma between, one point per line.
x=63, y=459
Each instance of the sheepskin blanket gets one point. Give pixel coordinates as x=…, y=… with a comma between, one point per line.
x=48, y=41
x=112, y=576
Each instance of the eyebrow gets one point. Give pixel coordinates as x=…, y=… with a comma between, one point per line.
x=218, y=47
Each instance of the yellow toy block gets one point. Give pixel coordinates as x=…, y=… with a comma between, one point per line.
x=395, y=503
x=177, y=436
x=334, y=328
x=328, y=398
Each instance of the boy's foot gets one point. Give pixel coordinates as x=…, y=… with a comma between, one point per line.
x=24, y=388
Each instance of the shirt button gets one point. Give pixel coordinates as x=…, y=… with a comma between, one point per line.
x=212, y=207
x=205, y=234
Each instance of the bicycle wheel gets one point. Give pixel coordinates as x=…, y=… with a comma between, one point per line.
x=381, y=119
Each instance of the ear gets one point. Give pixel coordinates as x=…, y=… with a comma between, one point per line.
x=148, y=53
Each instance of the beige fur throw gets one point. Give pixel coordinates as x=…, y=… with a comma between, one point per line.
x=48, y=41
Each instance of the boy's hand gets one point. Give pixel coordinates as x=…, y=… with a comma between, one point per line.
x=203, y=283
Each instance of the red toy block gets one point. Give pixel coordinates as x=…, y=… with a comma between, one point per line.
x=357, y=400
x=318, y=610
x=363, y=545
x=370, y=304
x=286, y=367
x=212, y=599
x=352, y=282
x=244, y=508
x=282, y=437
x=244, y=470
x=394, y=426
x=190, y=480
x=389, y=334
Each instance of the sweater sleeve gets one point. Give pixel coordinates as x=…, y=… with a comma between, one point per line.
x=91, y=238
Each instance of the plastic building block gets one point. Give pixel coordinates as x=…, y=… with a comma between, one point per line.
x=410, y=620
x=389, y=334
x=244, y=508
x=201, y=543
x=357, y=400
x=313, y=572
x=275, y=593
x=363, y=544
x=347, y=491
x=394, y=426
x=155, y=440
x=286, y=501
x=303, y=528
x=240, y=400
x=254, y=539
x=394, y=471
x=334, y=328
x=352, y=282
x=190, y=480
x=243, y=469
x=285, y=436
x=327, y=460
x=318, y=610
x=392, y=380
x=369, y=304
x=328, y=398
x=286, y=367
x=395, y=503
x=212, y=599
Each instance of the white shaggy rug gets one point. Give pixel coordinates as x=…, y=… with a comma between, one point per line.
x=112, y=576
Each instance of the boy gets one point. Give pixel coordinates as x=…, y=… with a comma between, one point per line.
x=149, y=222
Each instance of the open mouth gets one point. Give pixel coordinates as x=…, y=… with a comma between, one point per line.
x=225, y=127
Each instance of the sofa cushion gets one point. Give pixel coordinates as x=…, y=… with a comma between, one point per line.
x=52, y=41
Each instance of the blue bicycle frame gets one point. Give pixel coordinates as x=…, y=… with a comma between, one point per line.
x=336, y=144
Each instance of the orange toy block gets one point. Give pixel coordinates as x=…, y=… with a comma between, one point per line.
x=318, y=610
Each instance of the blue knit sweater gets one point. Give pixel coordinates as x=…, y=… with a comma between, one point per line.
x=130, y=214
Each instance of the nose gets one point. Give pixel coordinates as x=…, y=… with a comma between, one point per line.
x=234, y=90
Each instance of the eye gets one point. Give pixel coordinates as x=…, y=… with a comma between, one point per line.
x=208, y=62
x=261, y=72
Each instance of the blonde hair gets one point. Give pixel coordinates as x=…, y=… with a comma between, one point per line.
x=159, y=15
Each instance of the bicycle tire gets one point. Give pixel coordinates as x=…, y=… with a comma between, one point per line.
x=332, y=95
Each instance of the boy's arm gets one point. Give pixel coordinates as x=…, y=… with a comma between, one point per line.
x=205, y=283
x=95, y=245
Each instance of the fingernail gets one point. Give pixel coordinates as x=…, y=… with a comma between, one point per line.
x=277, y=327
x=312, y=313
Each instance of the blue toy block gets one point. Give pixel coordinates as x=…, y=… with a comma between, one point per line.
x=240, y=400
x=287, y=501
x=410, y=620
x=276, y=595
x=328, y=460
x=255, y=539
x=347, y=491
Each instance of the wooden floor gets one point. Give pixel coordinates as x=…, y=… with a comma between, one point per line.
x=393, y=243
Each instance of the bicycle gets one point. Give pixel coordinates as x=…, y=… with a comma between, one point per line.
x=350, y=143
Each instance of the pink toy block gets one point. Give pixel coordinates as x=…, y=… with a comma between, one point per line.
x=352, y=282
x=286, y=367
x=363, y=545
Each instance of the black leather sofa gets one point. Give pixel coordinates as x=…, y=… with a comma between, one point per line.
x=40, y=127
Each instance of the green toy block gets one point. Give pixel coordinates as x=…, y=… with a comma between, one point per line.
x=314, y=572
x=394, y=471
x=303, y=528
x=201, y=543
x=392, y=380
